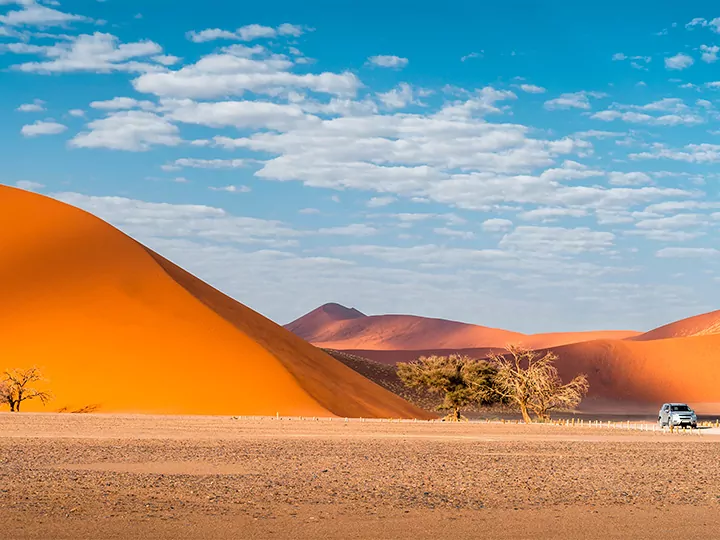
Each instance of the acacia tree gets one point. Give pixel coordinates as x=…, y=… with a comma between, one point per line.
x=530, y=381
x=15, y=387
x=461, y=380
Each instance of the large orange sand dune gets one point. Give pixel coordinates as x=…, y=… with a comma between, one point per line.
x=109, y=322
x=336, y=327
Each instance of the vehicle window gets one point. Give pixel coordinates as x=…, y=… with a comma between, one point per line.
x=680, y=408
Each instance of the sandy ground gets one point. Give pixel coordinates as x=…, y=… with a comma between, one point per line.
x=110, y=476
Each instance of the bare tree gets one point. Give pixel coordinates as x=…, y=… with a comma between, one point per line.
x=15, y=387
x=530, y=381
x=461, y=380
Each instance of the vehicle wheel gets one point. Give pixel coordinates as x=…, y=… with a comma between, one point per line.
x=694, y=426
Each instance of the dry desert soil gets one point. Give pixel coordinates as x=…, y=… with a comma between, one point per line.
x=119, y=476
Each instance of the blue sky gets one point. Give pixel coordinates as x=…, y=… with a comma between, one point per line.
x=536, y=166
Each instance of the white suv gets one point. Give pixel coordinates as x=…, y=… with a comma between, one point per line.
x=677, y=414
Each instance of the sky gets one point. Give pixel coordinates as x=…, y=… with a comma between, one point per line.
x=534, y=166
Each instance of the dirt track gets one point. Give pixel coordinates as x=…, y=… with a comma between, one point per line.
x=103, y=476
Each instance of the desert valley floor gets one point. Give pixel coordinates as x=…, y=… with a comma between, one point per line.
x=101, y=476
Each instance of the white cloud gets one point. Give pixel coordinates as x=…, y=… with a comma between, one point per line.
x=556, y=240
x=691, y=153
x=38, y=105
x=552, y=214
x=98, y=52
x=629, y=179
x=42, y=128
x=27, y=185
x=166, y=59
x=697, y=21
x=388, y=61
x=355, y=229
x=232, y=189
x=377, y=202
x=575, y=100
x=471, y=55
x=34, y=14
x=679, y=61
x=401, y=96
x=128, y=130
x=241, y=114
x=120, y=103
x=599, y=134
x=227, y=74
x=532, y=89
x=496, y=225
x=78, y=113
x=249, y=32
x=194, y=163
x=686, y=252
x=454, y=233
x=178, y=221
x=633, y=117
x=709, y=53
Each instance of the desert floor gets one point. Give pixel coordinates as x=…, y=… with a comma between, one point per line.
x=111, y=476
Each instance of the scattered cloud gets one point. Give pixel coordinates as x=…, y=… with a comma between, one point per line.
x=388, y=61
x=232, y=189
x=574, y=100
x=377, y=202
x=38, y=105
x=532, y=89
x=98, y=52
x=679, y=62
x=33, y=14
x=133, y=131
x=686, y=252
x=249, y=32
x=27, y=185
x=42, y=128
x=496, y=225
x=471, y=55
x=194, y=163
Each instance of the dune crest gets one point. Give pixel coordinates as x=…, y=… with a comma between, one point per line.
x=409, y=332
x=110, y=322
x=706, y=324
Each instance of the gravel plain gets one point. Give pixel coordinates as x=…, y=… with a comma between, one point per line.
x=115, y=476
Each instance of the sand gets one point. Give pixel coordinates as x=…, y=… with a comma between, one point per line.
x=109, y=476
x=336, y=327
x=699, y=325
x=111, y=324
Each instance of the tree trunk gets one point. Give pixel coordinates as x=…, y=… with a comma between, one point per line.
x=525, y=415
x=17, y=406
x=457, y=414
x=12, y=405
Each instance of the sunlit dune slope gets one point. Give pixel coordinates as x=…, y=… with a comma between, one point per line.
x=699, y=325
x=407, y=332
x=111, y=323
x=654, y=372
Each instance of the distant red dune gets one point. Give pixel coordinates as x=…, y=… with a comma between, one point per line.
x=335, y=327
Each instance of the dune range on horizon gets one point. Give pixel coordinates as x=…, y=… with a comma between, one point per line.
x=679, y=361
